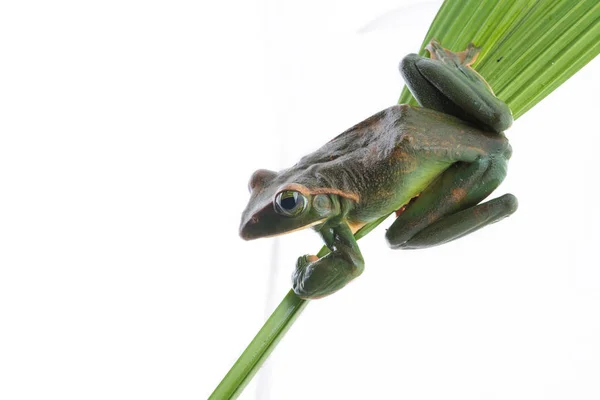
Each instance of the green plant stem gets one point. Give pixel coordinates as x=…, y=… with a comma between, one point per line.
x=260, y=347
x=248, y=364
x=529, y=48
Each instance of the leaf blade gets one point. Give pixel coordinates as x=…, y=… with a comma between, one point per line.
x=529, y=48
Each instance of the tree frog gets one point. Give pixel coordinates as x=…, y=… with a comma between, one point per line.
x=431, y=165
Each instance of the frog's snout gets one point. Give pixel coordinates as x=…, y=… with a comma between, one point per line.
x=247, y=228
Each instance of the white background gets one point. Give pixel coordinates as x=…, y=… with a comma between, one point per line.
x=128, y=131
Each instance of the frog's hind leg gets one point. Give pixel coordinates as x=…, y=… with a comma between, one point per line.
x=448, y=208
x=447, y=83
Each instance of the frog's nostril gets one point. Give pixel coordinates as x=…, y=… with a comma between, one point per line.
x=254, y=220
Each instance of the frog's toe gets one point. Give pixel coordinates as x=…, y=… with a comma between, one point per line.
x=304, y=261
x=311, y=280
x=301, y=276
x=320, y=278
x=301, y=282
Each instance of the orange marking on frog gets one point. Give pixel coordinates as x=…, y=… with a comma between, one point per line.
x=310, y=191
x=458, y=194
x=401, y=209
x=355, y=226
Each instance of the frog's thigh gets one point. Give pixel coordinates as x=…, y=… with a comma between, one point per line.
x=424, y=222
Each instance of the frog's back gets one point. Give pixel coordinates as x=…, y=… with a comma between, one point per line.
x=385, y=159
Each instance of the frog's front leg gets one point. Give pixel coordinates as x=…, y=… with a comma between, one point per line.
x=318, y=277
x=447, y=83
x=448, y=208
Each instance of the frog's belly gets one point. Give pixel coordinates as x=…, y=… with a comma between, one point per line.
x=388, y=189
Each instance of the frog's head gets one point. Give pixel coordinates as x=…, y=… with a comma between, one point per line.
x=279, y=205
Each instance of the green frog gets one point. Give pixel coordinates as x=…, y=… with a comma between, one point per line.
x=432, y=165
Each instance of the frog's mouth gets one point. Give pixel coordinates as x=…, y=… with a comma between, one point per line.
x=247, y=232
x=293, y=230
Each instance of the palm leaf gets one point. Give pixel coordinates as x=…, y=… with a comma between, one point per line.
x=529, y=48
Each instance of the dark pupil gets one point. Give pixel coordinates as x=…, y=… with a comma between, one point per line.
x=288, y=203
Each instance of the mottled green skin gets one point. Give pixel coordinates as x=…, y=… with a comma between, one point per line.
x=392, y=156
x=433, y=167
x=385, y=160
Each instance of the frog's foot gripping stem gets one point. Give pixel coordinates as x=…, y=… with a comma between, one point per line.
x=447, y=83
x=448, y=209
x=318, y=277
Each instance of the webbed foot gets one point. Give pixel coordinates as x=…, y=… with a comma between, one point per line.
x=318, y=278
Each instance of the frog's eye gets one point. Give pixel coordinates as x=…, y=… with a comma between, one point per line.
x=290, y=203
